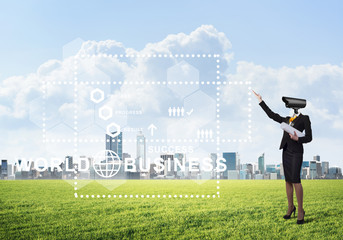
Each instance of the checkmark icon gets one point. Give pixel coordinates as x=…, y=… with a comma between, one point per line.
x=190, y=112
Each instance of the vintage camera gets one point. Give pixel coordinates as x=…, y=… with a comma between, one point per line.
x=295, y=103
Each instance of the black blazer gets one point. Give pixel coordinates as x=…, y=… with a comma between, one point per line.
x=302, y=122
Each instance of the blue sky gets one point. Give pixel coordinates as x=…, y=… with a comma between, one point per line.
x=271, y=33
x=288, y=48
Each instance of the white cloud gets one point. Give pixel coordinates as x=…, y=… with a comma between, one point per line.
x=19, y=91
x=4, y=110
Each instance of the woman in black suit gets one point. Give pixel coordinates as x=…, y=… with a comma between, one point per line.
x=292, y=156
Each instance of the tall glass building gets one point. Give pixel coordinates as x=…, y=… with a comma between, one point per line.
x=261, y=163
x=313, y=169
x=115, y=144
x=141, y=153
x=232, y=162
x=325, y=168
x=68, y=163
x=4, y=171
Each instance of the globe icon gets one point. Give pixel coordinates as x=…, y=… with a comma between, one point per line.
x=106, y=163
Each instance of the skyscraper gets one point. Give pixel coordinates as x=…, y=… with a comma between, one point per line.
x=313, y=169
x=168, y=165
x=261, y=163
x=325, y=168
x=115, y=144
x=319, y=166
x=141, y=153
x=231, y=162
x=68, y=163
x=250, y=168
x=181, y=157
x=4, y=170
x=319, y=169
x=214, y=157
x=238, y=162
x=67, y=167
x=10, y=170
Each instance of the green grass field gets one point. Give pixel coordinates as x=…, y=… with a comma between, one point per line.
x=47, y=209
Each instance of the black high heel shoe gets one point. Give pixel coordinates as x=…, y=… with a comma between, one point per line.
x=289, y=216
x=301, y=221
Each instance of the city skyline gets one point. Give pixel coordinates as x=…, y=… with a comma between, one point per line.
x=312, y=169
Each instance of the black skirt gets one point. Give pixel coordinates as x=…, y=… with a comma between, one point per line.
x=291, y=162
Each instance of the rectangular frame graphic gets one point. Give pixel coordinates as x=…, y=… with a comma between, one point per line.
x=217, y=83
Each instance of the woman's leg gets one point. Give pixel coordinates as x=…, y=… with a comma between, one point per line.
x=299, y=192
x=289, y=191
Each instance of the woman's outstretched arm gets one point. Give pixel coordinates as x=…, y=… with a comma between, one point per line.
x=276, y=117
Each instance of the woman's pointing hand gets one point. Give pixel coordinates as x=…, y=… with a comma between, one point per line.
x=258, y=96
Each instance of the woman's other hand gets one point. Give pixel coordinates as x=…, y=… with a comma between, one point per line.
x=258, y=96
x=294, y=137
